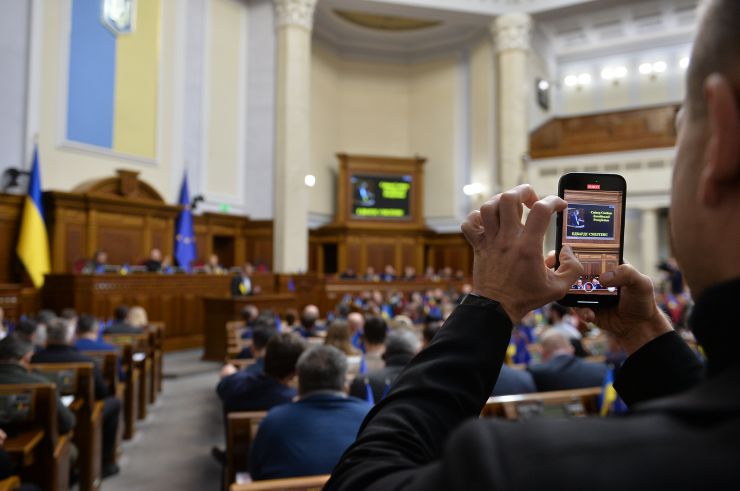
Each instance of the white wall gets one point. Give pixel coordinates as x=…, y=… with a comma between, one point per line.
x=14, y=50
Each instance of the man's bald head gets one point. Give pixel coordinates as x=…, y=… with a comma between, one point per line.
x=555, y=343
x=356, y=321
x=716, y=50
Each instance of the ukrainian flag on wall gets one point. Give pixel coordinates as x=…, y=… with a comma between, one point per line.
x=33, y=241
x=114, y=75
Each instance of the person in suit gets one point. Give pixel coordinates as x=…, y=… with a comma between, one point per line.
x=374, y=338
x=120, y=324
x=400, y=347
x=15, y=360
x=261, y=335
x=154, y=263
x=561, y=369
x=315, y=430
x=426, y=434
x=242, y=391
x=86, y=338
x=60, y=349
x=309, y=322
x=512, y=381
x=241, y=283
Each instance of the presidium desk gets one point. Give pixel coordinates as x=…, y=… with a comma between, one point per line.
x=194, y=308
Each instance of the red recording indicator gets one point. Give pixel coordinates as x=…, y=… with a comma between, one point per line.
x=593, y=186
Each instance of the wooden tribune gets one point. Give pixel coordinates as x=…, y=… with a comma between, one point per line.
x=576, y=402
x=76, y=379
x=42, y=452
x=307, y=483
x=241, y=428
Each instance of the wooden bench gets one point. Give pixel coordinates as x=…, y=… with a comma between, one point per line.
x=156, y=340
x=241, y=428
x=308, y=483
x=77, y=380
x=29, y=413
x=108, y=361
x=138, y=359
x=10, y=484
x=234, y=342
x=563, y=403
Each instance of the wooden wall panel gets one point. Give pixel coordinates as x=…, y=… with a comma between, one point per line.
x=607, y=132
x=10, y=211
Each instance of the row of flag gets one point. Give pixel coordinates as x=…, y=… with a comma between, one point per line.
x=33, y=239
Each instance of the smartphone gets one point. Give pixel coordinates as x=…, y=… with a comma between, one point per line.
x=593, y=225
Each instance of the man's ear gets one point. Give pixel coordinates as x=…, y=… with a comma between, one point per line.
x=721, y=174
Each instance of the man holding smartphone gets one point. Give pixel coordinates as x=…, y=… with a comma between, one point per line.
x=684, y=431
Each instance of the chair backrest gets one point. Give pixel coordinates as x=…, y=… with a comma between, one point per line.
x=138, y=341
x=72, y=379
x=108, y=363
x=241, y=428
x=234, y=342
x=307, y=483
x=26, y=405
x=561, y=403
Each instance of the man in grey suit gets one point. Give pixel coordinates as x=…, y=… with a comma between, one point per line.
x=15, y=358
x=561, y=369
x=683, y=431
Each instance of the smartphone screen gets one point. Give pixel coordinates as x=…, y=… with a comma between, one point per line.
x=593, y=226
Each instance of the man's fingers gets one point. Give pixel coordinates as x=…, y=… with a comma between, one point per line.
x=626, y=275
x=489, y=216
x=539, y=217
x=550, y=259
x=570, y=268
x=472, y=228
x=510, y=209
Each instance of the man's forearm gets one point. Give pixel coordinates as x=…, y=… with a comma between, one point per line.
x=662, y=367
x=445, y=384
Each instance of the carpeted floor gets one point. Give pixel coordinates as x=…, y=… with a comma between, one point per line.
x=171, y=449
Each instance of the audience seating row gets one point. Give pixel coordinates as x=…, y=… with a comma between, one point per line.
x=133, y=374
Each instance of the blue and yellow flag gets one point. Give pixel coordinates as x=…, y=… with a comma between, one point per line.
x=610, y=402
x=33, y=241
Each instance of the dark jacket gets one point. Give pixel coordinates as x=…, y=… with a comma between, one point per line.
x=11, y=373
x=122, y=328
x=512, y=381
x=567, y=372
x=306, y=437
x=379, y=380
x=426, y=433
x=57, y=353
x=244, y=391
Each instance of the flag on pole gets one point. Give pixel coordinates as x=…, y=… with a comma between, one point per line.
x=33, y=240
x=184, y=236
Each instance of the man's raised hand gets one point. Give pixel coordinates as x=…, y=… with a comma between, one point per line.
x=508, y=263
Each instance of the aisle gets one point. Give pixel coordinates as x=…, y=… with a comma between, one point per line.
x=171, y=449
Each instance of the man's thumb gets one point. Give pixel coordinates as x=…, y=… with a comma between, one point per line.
x=570, y=267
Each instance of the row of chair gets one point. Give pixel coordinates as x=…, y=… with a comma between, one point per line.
x=242, y=428
x=133, y=375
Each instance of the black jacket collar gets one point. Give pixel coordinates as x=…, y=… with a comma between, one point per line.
x=715, y=325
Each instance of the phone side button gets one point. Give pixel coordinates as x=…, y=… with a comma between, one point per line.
x=587, y=301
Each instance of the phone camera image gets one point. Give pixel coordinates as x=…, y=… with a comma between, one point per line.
x=591, y=227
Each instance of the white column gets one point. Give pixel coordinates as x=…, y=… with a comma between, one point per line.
x=294, y=21
x=649, y=241
x=512, y=39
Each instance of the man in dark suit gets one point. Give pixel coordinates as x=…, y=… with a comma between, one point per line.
x=241, y=283
x=87, y=336
x=400, y=347
x=243, y=391
x=60, y=349
x=154, y=263
x=512, y=382
x=120, y=324
x=314, y=431
x=561, y=369
x=309, y=322
x=681, y=433
x=15, y=359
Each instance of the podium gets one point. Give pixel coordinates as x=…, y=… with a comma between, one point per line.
x=217, y=311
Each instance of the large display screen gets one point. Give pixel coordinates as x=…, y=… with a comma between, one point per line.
x=592, y=227
x=381, y=197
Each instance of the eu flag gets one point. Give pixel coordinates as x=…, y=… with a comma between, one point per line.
x=184, y=237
